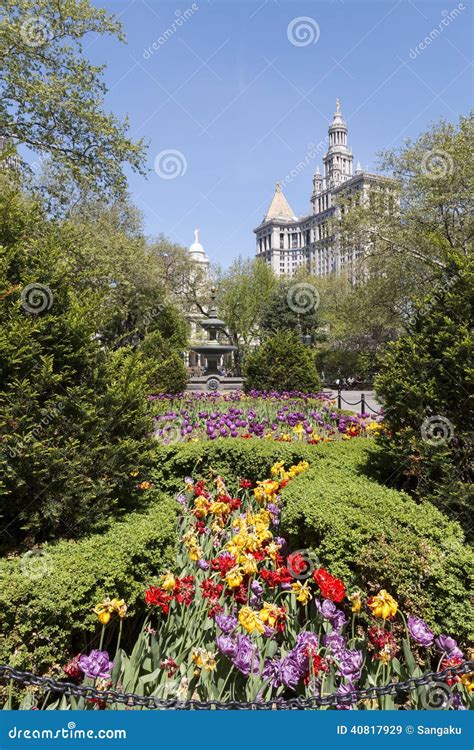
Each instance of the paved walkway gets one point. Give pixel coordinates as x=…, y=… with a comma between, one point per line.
x=354, y=397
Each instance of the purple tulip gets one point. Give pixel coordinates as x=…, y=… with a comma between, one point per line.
x=290, y=671
x=335, y=643
x=338, y=620
x=449, y=646
x=420, y=631
x=203, y=565
x=257, y=588
x=350, y=664
x=245, y=655
x=328, y=609
x=226, y=645
x=97, y=664
x=272, y=673
x=227, y=623
x=343, y=691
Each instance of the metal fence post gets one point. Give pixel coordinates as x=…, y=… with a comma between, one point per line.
x=339, y=397
x=362, y=403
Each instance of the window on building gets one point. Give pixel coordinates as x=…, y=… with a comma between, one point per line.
x=282, y=240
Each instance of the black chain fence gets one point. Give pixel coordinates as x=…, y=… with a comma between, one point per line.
x=90, y=693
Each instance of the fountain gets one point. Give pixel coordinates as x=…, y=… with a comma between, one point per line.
x=212, y=379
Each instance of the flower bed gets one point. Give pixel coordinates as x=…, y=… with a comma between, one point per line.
x=284, y=417
x=240, y=617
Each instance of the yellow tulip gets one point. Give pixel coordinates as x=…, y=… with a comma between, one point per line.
x=219, y=508
x=468, y=681
x=204, y=659
x=168, y=582
x=356, y=601
x=119, y=607
x=302, y=592
x=249, y=564
x=250, y=620
x=270, y=613
x=383, y=605
x=234, y=577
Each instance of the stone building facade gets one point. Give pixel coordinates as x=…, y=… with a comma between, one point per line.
x=288, y=242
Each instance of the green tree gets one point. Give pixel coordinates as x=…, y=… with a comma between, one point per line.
x=243, y=292
x=52, y=97
x=74, y=418
x=425, y=385
x=426, y=220
x=282, y=363
x=293, y=306
x=168, y=375
x=356, y=322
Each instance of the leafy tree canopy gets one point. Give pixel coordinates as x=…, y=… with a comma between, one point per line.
x=52, y=97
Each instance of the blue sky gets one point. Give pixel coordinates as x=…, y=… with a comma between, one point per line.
x=227, y=89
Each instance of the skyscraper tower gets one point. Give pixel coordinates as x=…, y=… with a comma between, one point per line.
x=287, y=242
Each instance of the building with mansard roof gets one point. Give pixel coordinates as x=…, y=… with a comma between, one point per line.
x=288, y=242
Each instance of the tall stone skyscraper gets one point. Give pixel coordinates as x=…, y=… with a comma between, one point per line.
x=288, y=242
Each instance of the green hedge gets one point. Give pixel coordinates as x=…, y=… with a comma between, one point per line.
x=250, y=459
x=45, y=618
x=377, y=537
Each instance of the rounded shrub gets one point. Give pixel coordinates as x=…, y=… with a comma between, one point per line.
x=282, y=362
